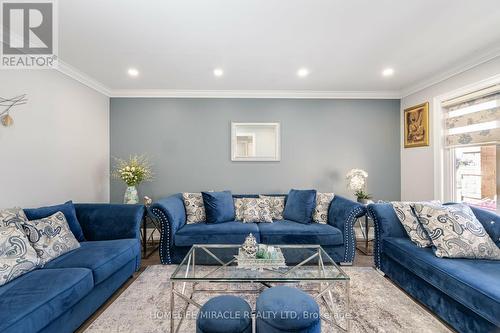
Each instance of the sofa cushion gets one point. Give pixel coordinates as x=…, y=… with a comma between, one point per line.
x=102, y=257
x=473, y=283
x=300, y=205
x=219, y=206
x=218, y=233
x=35, y=299
x=195, y=209
x=68, y=209
x=290, y=232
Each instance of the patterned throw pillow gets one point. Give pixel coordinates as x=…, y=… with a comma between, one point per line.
x=17, y=256
x=323, y=200
x=195, y=208
x=51, y=237
x=256, y=210
x=410, y=223
x=456, y=232
x=276, y=204
x=239, y=208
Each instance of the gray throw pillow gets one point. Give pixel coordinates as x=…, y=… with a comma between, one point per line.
x=411, y=224
x=51, y=237
x=276, y=204
x=17, y=256
x=456, y=232
x=323, y=200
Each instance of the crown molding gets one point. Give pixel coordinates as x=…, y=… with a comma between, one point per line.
x=290, y=94
x=81, y=77
x=442, y=76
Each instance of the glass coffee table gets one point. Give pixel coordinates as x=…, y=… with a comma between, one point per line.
x=317, y=270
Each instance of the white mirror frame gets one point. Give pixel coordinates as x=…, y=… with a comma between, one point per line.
x=277, y=156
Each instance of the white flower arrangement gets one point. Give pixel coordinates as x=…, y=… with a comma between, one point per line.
x=134, y=170
x=356, y=181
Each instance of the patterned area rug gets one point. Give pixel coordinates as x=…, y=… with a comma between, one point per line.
x=376, y=306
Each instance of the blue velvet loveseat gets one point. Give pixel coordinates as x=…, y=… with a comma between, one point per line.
x=465, y=293
x=336, y=237
x=60, y=296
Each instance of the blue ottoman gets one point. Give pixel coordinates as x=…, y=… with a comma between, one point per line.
x=225, y=314
x=284, y=309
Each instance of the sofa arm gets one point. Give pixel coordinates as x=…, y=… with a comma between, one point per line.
x=386, y=224
x=490, y=221
x=171, y=214
x=342, y=214
x=110, y=221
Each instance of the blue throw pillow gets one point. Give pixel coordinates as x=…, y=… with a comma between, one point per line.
x=219, y=206
x=68, y=209
x=300, y=205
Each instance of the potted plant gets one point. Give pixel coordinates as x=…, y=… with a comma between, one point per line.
x=356, y=181
x=133, y=171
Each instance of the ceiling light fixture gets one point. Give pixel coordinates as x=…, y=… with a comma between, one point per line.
x=133, y=72
x=302, y=72
x=218, y=72
x=388, y=72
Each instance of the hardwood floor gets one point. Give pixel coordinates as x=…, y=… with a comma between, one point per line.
x=360, y=260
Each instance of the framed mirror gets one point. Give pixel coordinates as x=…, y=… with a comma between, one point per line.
x=255, y=141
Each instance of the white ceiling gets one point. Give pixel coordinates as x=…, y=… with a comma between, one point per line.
x=260, y=44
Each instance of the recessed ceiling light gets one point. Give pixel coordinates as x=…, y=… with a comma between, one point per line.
x=303, y=72
x=133, y=72
x=388, y=72
x=218, y=72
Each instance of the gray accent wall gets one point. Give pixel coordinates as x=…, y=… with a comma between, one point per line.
x=188, y=141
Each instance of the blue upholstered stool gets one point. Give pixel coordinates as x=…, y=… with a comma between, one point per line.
x=225, y=314
x=284, y=309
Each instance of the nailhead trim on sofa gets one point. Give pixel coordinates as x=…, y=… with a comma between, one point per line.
x=165, y=228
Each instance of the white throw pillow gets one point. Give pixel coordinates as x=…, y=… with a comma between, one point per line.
x=17, y=256
x=276, y=204
x=456, y=232
x=256, y=210
x=51, y=237
x=411, y=224
x=195, y=208
x=323, y=200
x=239, y=208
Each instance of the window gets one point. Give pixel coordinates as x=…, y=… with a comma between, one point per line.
x=472, y=138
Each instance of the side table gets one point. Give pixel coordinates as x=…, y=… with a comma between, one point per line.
x=149, y=221
x=366, y=245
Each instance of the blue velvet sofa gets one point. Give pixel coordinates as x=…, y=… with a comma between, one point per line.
x=465, y=293
x=177, y=237
x=62, y=295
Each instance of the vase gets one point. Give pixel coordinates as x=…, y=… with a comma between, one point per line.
x=131, y=197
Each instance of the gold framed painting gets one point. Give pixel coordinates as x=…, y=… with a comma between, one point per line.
x=416, y=121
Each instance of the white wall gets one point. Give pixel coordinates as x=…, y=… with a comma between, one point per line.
x=417, y=164
x=58, y=147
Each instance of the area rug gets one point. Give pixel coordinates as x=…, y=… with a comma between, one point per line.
x=376, y=306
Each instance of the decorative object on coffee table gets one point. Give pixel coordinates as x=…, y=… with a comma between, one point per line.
x=356, y=181
x=133, y=171
x=250, y=246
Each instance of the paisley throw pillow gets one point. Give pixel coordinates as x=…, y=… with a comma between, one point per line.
x=256, y=210
x=411, y=224
x=195, y=208
x=456, y=232
x=276, y=204
x=323, y=200
x=239, y=208
x=17, y=256
x=51, y=237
